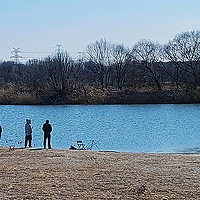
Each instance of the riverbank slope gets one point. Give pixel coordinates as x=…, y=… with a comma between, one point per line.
x=68, y=174
x=91, y=95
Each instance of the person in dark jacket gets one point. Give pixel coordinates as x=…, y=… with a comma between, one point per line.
x=28, y=132
x=0, y=130
x=47, y=128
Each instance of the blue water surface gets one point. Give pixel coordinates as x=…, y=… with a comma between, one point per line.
x=124, y=128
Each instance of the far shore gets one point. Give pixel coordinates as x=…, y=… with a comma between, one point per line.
x=74, y=174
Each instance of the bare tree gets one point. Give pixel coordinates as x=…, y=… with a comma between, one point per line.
x=6, y=71
x=77, y=72
x=35, y=74
x=58, y=70
x=147, y=53
x=12, y=72
x=122, y=59
x=186, y=52
x=53, y=71
x=171, y=65
x=100, y=55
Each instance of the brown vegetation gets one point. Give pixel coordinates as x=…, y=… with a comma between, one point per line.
x=85, y=94
x=14, y=94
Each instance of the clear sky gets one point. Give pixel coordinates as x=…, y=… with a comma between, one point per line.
x=38, y=25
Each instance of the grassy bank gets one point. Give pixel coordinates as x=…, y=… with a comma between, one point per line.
x=23, y=95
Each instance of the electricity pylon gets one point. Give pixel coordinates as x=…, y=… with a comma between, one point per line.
x=80, y=55
x=16, y=55
x=58, y=50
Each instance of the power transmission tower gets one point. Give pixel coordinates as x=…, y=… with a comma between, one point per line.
x=58, y=50
x=79, y=53
x=16, y=55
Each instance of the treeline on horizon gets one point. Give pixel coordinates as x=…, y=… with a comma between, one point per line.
x=109, y=73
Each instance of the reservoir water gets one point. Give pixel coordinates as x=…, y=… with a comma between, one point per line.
x=124, y=128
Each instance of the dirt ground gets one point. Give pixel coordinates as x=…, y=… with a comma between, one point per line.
x=72, y=174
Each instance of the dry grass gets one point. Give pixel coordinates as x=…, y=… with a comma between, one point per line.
x=13, y=94
x=68, y=174
x=89, y=95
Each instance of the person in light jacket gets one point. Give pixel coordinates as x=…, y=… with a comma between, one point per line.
x=28, y=132
x=47, y=128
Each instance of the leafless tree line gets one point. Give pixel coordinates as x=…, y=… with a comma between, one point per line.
x=106, y=64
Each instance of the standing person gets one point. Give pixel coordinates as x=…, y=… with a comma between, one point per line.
x=47, y=128
x=0, y=130
x=28, y=132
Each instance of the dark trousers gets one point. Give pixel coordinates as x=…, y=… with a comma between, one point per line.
x=49, y=140
x=28, y=138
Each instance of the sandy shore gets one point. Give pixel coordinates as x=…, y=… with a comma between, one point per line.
x=71, y=174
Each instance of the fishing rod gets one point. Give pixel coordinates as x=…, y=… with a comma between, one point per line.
x=16, y=142
x=97, y=146
x=94, y=143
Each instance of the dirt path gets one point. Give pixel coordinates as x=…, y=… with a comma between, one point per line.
x=67, y=174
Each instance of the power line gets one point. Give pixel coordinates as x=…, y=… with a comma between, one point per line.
x=58, y=50
x=36, y=52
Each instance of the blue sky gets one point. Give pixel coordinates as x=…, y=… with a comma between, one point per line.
x=38, y=25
